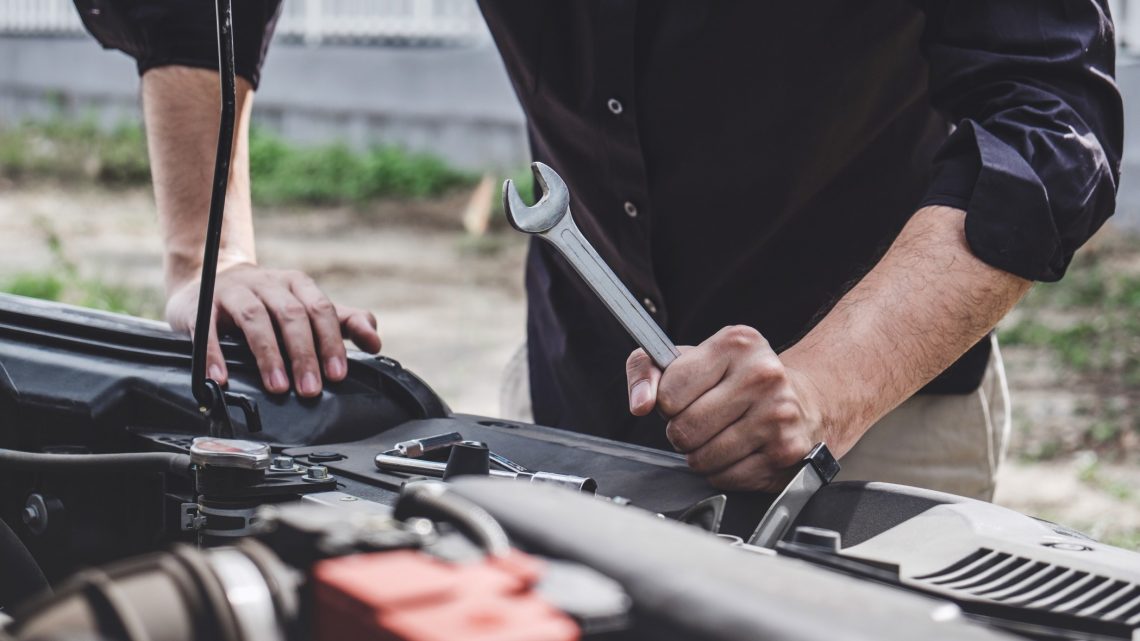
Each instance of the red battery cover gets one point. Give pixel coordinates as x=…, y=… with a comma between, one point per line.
x=407, y=595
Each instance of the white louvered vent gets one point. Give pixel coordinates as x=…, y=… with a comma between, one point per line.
x=1018, y=581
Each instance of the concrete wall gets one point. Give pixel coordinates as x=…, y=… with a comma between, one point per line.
x=38, y=76
x=1128, y=198
x=457, y=103
x=454, y=102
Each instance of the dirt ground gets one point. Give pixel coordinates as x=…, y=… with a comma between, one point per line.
x=451, y=309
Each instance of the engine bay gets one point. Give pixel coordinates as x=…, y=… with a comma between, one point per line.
x=102, y=474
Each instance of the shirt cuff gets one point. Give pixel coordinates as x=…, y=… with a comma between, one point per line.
x=955, y=173
x=1008, y=218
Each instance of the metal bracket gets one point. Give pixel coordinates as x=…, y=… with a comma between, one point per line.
x=218, y=411
x=190, y=520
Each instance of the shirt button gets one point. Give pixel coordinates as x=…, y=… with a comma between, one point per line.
x=649, y=306
x=615, y=106
x=630, y=209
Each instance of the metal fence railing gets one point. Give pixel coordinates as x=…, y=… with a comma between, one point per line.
x=364, y=21
x=39, y=17
x=440, y=22
x=446, y=22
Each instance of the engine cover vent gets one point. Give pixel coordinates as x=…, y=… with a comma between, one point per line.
x=1013, y=580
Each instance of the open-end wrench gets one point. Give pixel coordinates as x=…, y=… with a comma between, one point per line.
x=816, y=470
x=550, y=220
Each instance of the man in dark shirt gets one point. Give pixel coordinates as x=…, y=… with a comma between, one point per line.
x=834, y=202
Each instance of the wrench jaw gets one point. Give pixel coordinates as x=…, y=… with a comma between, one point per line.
x=551, y=208
x=550, y=220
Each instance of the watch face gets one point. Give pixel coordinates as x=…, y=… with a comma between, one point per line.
x=229, y=452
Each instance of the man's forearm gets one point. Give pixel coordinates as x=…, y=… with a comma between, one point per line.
x=181, y=107
x=927, y=301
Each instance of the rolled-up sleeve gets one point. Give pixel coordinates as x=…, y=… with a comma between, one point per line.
x=1034, y=159
x=181, y=32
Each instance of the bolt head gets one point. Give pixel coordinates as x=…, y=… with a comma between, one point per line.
x=35, y=514
x=282, y=463
x=317, y=473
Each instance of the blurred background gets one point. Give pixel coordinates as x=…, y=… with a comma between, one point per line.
x=382, y=131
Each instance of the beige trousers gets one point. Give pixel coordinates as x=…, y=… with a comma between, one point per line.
x=948, y=442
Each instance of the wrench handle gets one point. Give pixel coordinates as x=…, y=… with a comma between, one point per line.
x=566, y=237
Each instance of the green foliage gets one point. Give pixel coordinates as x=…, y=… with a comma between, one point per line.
x=335, y=174
x=123, y=157
x=112, y=298
x=1077, y=345
x=71, y=150
x=1086, y=285
x=1128, y=293
x=1090, y=320
x=281, y=173
x=1089, y=324
x=86, y=292
x=63, y=283
x=1026, y=332
x=1105, y=432
x=45, y=286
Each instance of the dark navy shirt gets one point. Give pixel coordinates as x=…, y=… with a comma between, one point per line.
x=743, y=162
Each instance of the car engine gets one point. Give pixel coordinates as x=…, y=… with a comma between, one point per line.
x=130, y=520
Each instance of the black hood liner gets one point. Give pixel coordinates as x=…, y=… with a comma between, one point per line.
x=73, y=376
x=69, y=370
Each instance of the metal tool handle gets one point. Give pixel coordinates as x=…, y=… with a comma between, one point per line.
x=566, y=237
x=396, y=463
x=578, y=483
x=417, y=447
x=508, y=464
x=389, y=463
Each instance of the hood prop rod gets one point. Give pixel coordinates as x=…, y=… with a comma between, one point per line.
x=213, y=401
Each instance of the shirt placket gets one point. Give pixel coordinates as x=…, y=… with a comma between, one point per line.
x=628, y=212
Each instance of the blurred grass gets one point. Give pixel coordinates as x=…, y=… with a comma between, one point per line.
x=1090, y=321
x=74, y=150
x=1088, y=327
x=62, y=282
x=334, y=174
x=282, y=173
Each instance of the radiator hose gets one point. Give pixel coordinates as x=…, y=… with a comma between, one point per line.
x=164, y=462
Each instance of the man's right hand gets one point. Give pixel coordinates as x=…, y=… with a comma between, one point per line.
x=264, y=302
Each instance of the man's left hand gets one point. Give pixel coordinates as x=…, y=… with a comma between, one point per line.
x=741, y=417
